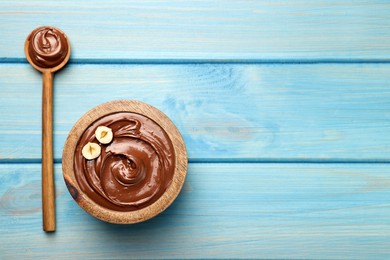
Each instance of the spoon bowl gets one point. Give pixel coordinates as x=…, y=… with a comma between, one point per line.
x=31, y=47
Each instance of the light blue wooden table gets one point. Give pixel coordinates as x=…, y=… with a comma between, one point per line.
x=284, y=107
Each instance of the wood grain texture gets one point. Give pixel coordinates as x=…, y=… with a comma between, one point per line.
x=48, y=196
x=340, y=211
x=203, y=29
x=237, y=112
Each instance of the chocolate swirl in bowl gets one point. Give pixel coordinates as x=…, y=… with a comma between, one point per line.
x=134, y=170
x=48, y=47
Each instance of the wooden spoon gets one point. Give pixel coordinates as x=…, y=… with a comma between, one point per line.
x=47, y=49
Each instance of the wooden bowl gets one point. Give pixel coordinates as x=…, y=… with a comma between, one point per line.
x=124, y=217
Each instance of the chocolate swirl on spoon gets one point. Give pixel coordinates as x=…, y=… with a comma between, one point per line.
x=48, y=47
x=134, y=170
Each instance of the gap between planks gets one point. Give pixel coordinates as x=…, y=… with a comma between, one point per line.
x=236, y=161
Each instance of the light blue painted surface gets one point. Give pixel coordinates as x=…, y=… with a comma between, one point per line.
x=202, y=29
x=302, y=84
x=224, y=111
x=225, y=210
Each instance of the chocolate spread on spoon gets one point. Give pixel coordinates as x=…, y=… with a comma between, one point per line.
x=47, y=47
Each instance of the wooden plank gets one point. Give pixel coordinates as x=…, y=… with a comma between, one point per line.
x=204, y=29
x=290, y=211
x=224, y=111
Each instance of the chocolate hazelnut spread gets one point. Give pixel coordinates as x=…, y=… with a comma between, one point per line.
x=48, y=47
x=133, y=170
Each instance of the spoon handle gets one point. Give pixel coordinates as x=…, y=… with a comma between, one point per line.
x=48, y=202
